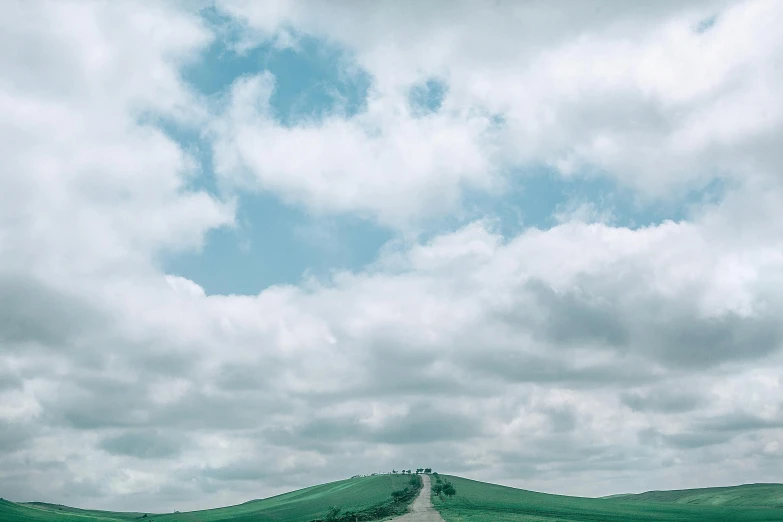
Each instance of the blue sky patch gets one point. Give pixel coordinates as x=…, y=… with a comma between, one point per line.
x=427, y=97
x=276, y=244
x=313, y=79
x=706, y=24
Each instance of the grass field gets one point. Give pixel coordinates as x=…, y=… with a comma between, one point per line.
x=766, y=495
x=298, y=506
x=482, y=502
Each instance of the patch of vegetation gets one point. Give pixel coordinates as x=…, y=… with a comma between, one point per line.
x=482, y=502
x=397, y=505
x=442, y=487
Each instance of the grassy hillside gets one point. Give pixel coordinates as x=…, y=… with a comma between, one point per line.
x=474, y=502
x=764, y=495
x=84, y=513
x=298, y=506
x=10, y=512
x=482, y=502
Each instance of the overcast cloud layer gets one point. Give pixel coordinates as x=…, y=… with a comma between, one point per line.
x=585, y=358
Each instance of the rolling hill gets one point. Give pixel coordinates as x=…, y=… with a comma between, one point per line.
x=482, y=502
x=757, y=495
x=297, y=506
x=474, y=502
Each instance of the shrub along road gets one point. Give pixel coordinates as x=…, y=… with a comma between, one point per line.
x=421, y=509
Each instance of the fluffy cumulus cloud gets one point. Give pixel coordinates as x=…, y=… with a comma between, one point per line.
x=381, y=163
x=661, y=97
x=585, y=358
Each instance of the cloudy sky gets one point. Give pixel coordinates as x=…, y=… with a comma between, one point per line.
x=247, y=247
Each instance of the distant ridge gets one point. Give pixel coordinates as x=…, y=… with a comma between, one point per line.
x=750, y=495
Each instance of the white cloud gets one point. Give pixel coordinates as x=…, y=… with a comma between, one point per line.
x=90, y=192
x=635, y=93
x=85, y=181
x=383, y=163
x=547, y=328
x=548, y=360
x=184, y=286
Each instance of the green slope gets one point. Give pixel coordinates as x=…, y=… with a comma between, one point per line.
x=84, y=513
x=474, y=502
x=10, y=512
x=298, y=506
x=482, y=502
x=764, y=495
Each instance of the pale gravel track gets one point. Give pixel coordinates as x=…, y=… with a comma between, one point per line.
x=421, y=509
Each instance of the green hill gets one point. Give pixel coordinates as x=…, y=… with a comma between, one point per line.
x=482, y=502
x=355, y=494
x=474, y=502
x=759, y=495
x=45, y=510
x=36, y=511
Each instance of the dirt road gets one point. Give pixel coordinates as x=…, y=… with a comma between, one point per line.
x=421, y=509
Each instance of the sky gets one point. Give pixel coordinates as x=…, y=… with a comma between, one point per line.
x=248, y=247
